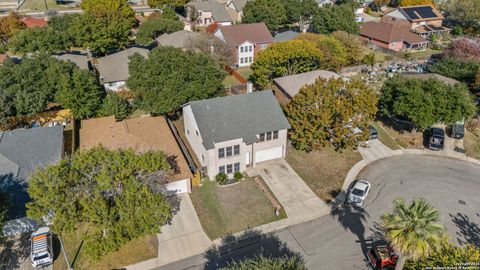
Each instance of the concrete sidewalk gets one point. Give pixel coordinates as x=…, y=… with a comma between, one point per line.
x=183, y=238
x=299, y=201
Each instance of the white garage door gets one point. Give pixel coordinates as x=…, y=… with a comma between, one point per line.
x=177, y=187
x=268, y=154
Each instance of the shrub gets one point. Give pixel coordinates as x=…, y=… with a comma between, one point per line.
x=238, y=176
x=221, y=178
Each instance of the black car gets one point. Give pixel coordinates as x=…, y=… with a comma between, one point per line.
x=458, y=130
x=373, y=132
x=436, y=139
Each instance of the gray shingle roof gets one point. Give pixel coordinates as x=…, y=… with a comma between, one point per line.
x=114, y=67
x=23, y=150
x=80, y=60
x=181, y=39
x=285, y=36
x=293, y=83
x=240, y=4
x=240, y=116
x=219, y=11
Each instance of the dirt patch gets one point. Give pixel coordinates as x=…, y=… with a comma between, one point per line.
x=405, y=136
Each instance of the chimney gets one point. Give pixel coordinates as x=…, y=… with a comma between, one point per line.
x=249, y=87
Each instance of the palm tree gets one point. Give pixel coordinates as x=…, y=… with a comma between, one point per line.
x=412, y=230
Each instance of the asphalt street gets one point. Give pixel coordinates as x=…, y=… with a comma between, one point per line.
x=340, y=240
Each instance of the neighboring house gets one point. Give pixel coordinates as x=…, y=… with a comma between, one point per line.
x=427, y=76
x=323, y=3
x=286, y=36
x=34, y=22
x=182, y=39
x=80, y=60
x=285, y=88
x=210, y=11
x=140, y=134
x=235, y=8
x=8, y=5
x=113, y=69
x=245, y=40
x=423, y=20
x=229, y=134
x=21, y=152
x=392, y=36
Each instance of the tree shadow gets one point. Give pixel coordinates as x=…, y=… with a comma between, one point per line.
x=174, y=202
x=351, y=218
x=469, y=230
x=14, y=250
x=18, y=195
x=247, y=245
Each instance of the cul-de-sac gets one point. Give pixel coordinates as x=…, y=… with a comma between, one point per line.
x=239, y=134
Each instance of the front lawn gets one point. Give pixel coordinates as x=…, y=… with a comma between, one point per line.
x=138, y=250
x=384, y=137
x=323, y=170
x=228, y=210
x=471, y=143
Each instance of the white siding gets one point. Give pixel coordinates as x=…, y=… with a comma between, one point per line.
x=115, y=86
x=219, y=34
x=247, y=54
x=195, y=141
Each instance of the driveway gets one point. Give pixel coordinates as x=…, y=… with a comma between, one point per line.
x=339, y=240
x=299, y=201
x=183, y=238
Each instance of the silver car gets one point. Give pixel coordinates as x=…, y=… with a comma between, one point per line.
x=358, y=192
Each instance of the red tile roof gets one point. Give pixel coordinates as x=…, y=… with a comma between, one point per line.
x=389, y=32
x=254, y=32
x=34, y=22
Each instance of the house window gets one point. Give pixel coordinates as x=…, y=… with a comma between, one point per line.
x=250, y=59
x=229, y=168
x=275, y=135
x=250, y=48
x=263, y=46
x=262, y=137
x=229, y=151
x=269, y=136
x=196, y=132
x=236, y=149
x=241, y=49
x=221, y=169
x=221, y=152
x=241, y=60
x=236, y=167
x=203, y=159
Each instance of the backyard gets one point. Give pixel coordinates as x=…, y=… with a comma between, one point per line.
x=231, y=209
x=323, y=170
x=138, y=250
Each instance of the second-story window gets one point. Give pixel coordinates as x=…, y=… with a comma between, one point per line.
x=241, y=49
x=268, y=136
x=275, y=135
x=236, y=149
x=229, y=151
x=221, y=152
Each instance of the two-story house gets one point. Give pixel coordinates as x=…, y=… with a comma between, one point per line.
x=245, y=40
x=229, y=134
x=208, y=12
x=423, y=20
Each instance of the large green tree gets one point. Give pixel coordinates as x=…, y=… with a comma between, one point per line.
x=9, y=25
x=28, y=87
x=117, y=194
x=299, y=11
x=463, y=12
x=101, y=8
x=101, y=33
x=425, y=102
x=335, y=18
x=458, y=69
x=285, y=58
x=115, y=105
x=167, y=3
x=44, y=39
x=271, y=12
x=327, y=113
x=152, y=28
x=264, y=263
x=412, y=230
x=446, y=254
x=171, y=77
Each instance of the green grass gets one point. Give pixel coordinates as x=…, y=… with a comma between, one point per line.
x=423, y=54
x=227, y=210
x=137, y=113
x=471, y=143
x=230, y=81
x=39, y=5
x=323, y=170
x=135, y=251
x=245, y=72
x=384, y=137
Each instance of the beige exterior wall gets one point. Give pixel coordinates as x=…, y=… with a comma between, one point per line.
x=195, y=141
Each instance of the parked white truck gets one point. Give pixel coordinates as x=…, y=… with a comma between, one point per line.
x=42, y=250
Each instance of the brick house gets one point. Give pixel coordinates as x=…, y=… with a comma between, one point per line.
x=392, y=36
